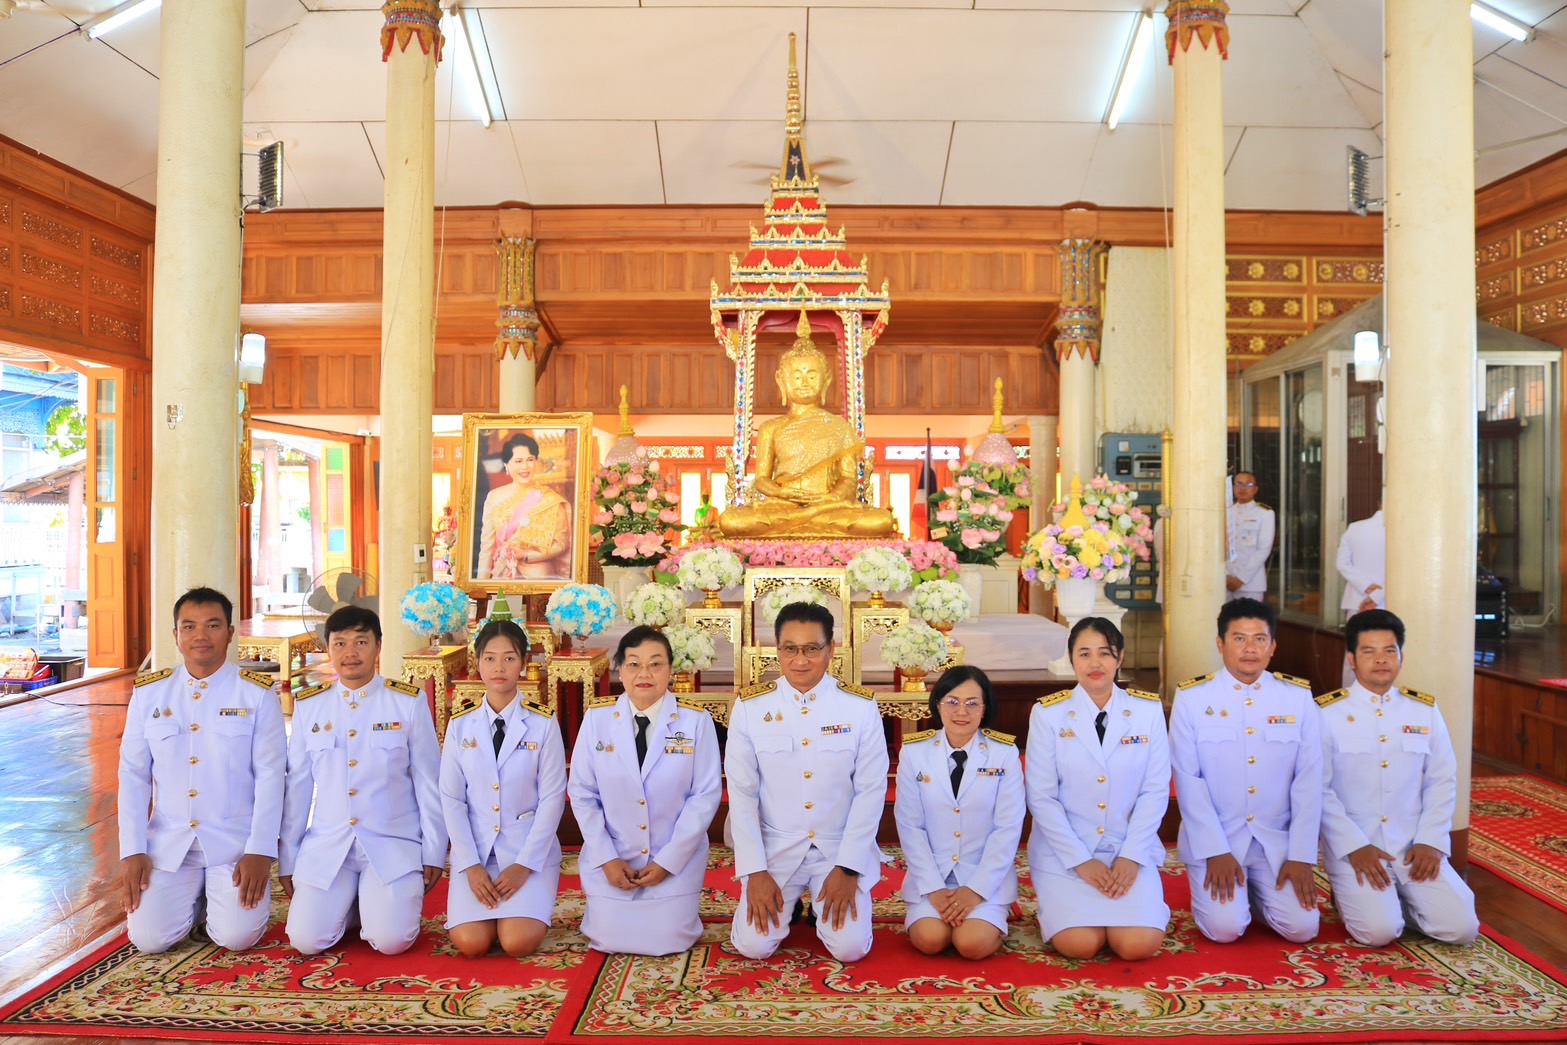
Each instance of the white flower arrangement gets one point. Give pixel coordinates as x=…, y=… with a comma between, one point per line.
x=656, y=605
x=879, y=569
x=914, y=646
x=581, y=609
x=774, y=601
x=940, y=602
x=694, y=648
x=434, y=609
x=710, y=569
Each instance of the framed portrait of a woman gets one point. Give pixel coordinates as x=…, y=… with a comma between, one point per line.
x=522, y=520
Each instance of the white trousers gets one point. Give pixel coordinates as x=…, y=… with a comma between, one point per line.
x=849, y=944
x=1225, y=922
x=1442, y=908
x=172, y=899
x=388, y=911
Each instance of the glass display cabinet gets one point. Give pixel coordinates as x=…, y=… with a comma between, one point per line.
x=1309, y=429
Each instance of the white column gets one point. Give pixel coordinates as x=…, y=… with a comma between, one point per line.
x=518, y=383
x=195, y=312
x=1431, y=414
x=410, y=46
x=1077, y=352
x=1042, y=466
x=1079, y=444
x=1194, y=584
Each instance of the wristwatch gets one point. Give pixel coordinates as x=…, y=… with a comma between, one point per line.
x=851, y=872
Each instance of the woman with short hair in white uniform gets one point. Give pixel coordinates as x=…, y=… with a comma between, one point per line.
x=1098, y=786
x=645, y=784
x=503, y=789
x=959, y=809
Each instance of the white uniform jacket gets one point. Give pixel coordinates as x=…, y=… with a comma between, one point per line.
x=975, y=834
x=208, y=756
x=1251, y=542
x=1089, y=797
x=1390, y=778
x=805, y=769
x=367, y=759
x=1362, y=562
x=1248, y=764
x=510, y=804
x=657, y=812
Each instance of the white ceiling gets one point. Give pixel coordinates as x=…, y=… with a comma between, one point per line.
x=922, y=102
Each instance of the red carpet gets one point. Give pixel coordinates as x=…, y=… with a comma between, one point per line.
x=1518, y=830
x=1259, y=989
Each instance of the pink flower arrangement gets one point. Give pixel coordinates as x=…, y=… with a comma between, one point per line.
x=928, y=559
x=972, y=514
x=635, y=519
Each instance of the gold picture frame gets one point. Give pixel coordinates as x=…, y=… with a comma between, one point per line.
x=539, y=542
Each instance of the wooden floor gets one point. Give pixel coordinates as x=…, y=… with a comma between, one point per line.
x=59, y=860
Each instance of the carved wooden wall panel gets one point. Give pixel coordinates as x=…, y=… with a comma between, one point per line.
x=1273, y=298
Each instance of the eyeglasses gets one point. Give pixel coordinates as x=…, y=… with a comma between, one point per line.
x=1246, y=484
x=952, y=704
x=813, y=649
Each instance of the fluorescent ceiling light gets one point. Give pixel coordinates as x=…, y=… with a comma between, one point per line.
x=1131, y=67
x=470, y=41
x=118, y=16
x=1487, y=15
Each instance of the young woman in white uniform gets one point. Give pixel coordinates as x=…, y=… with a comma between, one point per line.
x=503, y=789
x=1098, y=786
x=959, y=809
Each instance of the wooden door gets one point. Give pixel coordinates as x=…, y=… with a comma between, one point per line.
x=108, y=626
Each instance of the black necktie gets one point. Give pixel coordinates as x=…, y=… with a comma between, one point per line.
x=500, y=735
x=642, y=724
x=958, y=758
x=1099, y=724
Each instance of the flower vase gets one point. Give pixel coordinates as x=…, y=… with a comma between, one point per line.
x=564, y=645
x=972, y=577
x=683, y=682
x=1074, y=600
x=913, y=680
x=623, y=580
x=710, y=599
x=877, y=601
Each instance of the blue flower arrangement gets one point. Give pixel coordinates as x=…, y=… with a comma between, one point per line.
x=581, y=609
x=435, y=608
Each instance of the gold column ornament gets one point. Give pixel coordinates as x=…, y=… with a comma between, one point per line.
x=407, y=19
x=517, y=320
x=1082, y=292
x=247, y=477
x=1204, y=18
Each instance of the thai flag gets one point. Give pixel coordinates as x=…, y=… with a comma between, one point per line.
x=919, y=524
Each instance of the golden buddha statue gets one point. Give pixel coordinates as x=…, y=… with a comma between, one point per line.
x=807, y=462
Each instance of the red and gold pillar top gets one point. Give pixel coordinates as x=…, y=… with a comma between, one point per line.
x=1078, y=325
x=1202, y=18
x=411, y=18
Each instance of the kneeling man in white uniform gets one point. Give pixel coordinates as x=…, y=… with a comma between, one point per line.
x=1391, y=782
x=807, y=769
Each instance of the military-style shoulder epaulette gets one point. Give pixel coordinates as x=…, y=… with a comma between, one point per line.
x=1144, y=694
x=1054, y=698
x=405, y=688
x=310, y=691
x=924, y=734
x=757, y=690
x=1294, y=680
x=601, y=702
x=858, y=691
x=466, y=706
x=1414, y=694
x=1199, y=680
x=539, y=709
x=1265, y=507
x=152, y=676
x=260, y=678
x=691, y=705
x=1002, y=738
x=1324, y=699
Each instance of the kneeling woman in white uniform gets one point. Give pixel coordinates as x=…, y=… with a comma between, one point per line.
x=503, y=788
x=1098, y=786
x=645, y=783
x=959, y=809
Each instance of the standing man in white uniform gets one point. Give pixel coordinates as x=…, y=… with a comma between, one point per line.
x=1250, y=541
x=1391, y=783
x=807, y=771
x=362, y=752
x=1362, y=562
x=1247, y=757
x=204, y=748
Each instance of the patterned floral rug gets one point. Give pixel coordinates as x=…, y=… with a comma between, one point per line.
x=1518, y=829
x=1256, y=990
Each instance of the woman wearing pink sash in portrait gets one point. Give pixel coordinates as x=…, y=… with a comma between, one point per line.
x=526, y=530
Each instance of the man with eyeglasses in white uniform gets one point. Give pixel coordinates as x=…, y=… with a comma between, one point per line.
x=807, y=770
